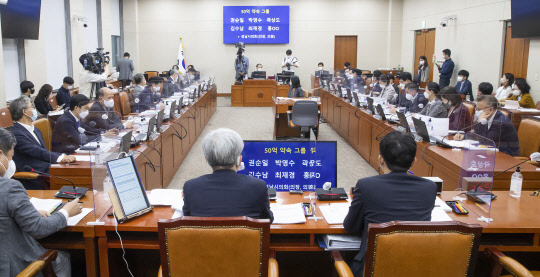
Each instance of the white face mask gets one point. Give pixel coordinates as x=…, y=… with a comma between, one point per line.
x=477, y=113
x=156, y=89
x=321, y=68
x=109, y=103
x=459, y=78
x=10, y=170
x=421, y=62
x=70, y=87
x=84, y=114
x=409, y=97
x=503, y=80
x=426, y=94
x=382, y=86
x=516, y=92
x=402, y=86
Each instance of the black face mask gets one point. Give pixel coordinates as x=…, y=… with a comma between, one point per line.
x=32, y=90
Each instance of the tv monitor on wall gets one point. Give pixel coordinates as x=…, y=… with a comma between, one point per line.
x=256, y=24
x=20, y=19
x=525, y=18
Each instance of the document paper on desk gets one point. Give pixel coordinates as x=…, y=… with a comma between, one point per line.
x=166, y=197
x=288, y=214
x=335, y=213
x=47, y=205
x=72, y=221
x=438, y=214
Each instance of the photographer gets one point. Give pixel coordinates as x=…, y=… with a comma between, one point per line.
x=290, y=63
x=93, y=75
x=241, y=63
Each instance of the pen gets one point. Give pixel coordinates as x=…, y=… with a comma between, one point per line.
x=410, y=172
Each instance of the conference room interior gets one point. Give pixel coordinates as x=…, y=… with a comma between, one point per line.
x=160, y=78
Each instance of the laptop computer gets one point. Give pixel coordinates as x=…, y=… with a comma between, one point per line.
x=370, y=105
x=356, y=100
x=403, y=122
x=380, y=111
x=340, y=92
x=159, y=121
x=349, y=95
x=422, y=131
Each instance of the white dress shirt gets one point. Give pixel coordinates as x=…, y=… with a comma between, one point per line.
x=292, y=60
x=86, y=78
x=502, y=92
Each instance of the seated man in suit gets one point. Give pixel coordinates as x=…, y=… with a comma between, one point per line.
x=30, y=149
x=171, y=85
x=415, y=101
x=395, y=195
x=69, y=133
x=140, y=83
x=464, y=86
x=495, y=126
x=225, y=192
x=375, y=87
x=400, y=98
x=22, y=224
x=63, y=95
x=149, y=95
x=102, y=117
x=320, y=71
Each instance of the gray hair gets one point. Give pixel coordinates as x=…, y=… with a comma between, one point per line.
x=490, y=101
x=222, y=147
x=138, y=78
x=172, y=72
x=17, y=106
x=7, y=140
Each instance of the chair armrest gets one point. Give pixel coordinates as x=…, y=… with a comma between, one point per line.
x=43, y=261
x=500, y=261
x=25, y=175
x=341, y=266
x=522, y=158
x=273, y=269
x=159, y=273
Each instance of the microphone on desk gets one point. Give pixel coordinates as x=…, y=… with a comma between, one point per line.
x=182, y=128
x=66, y=191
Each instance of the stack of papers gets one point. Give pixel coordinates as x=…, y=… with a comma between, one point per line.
x=528, y=110
x=288, y=214
x=166, y=197
x=335, y=242
x=72, y=221
x=335, y=213
x=48, y=205
x=438, y=214
x=441, y=204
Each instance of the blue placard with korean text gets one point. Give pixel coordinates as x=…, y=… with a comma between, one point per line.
x=256, y=24
x=291, y=165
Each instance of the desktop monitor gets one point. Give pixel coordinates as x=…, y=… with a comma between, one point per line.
x=151, y=126
x=380, y=111
x=172, y=115
x=159, y=121
x=403, y=122
x=356, y=99
x=125, y=142
x=284, y=77
x=258, y=75
x=129, y=197
x=421, y=129
x=291, y=165
x=370, y=105
x=349, y=95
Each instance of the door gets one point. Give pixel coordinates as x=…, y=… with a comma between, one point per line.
x=345, y=50
x=424, y=45
x=516, y=54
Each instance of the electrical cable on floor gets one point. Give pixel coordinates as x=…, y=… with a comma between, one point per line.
x=121, y=244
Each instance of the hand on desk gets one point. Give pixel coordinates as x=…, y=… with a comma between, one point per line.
x=459, y=136
x=112, y=133
x=128, y=124
x=68, y=159
x=73, y=208
x=44, y=213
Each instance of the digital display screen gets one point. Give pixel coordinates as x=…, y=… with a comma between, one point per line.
x=20, y=19
x=525, y=18
x=255, y=24
x=130, y=191
x=291, y=165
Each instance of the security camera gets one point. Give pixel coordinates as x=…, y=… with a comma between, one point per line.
x=444, y=23
x=445, y=20
x=85, y=25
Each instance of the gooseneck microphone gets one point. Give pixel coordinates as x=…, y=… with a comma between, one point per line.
x=66, y=191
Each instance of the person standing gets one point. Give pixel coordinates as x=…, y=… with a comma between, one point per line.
x=240, y=66
x=90, y=82
x=125, y=68
x=446, y=70
x=423, y=69
x=290, y=63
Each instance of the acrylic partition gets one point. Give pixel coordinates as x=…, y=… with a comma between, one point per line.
x=476, y=178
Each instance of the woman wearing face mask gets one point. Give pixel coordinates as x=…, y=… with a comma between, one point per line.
x=388, y=91
x=423, y=69
x=507, y=80
x=42, y=100
x=522, y=94
x=458, y=115
x=434, y=107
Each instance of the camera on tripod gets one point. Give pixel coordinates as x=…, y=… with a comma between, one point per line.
x=96, y=62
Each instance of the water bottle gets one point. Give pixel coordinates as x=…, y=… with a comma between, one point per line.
x=98, y=156
x=516, y=183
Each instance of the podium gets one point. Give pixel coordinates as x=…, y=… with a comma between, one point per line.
x=257, y=93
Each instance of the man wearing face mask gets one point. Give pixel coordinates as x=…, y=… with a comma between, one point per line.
x=69, y=132
x=31, y=149
x=225, y=192
x=400, y=99
x=375, y=87
x=464, y=86
x=415, y=101
x=149, y=95
x=393, y=195
x=103, y=115
x=171, y=85
x=27, y=88
x=63, y=95
x=495, y=126
x=320, y=70
x=22, y=224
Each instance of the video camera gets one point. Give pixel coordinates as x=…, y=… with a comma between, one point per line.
x=95, y=62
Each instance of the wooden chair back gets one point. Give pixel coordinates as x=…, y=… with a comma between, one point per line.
x=538, y=105
x=151, y=74
x=125, y=105
x=214, y=246
x=52, y=100
x=529, y=137
x=401, y=248
x=470, y=106
x=44, y=127
x=5, y=118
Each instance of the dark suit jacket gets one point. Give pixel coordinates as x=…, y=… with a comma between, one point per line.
x=318, y=73
x=30, y=152
x=63, y=97
x=460, y=118
x=376, y=88
x=447, y=68
x=226, y=193
x=383, y=198
x=146, y=100
x=170, y=87
x=418, y=103
x=42, y=105
x=66, y=137
x=465, y=88
x=96, y=114
x=502, y=132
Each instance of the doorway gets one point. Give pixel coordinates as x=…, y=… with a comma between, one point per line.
x=424, y=45
x=516, y=54
x=345, y=50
